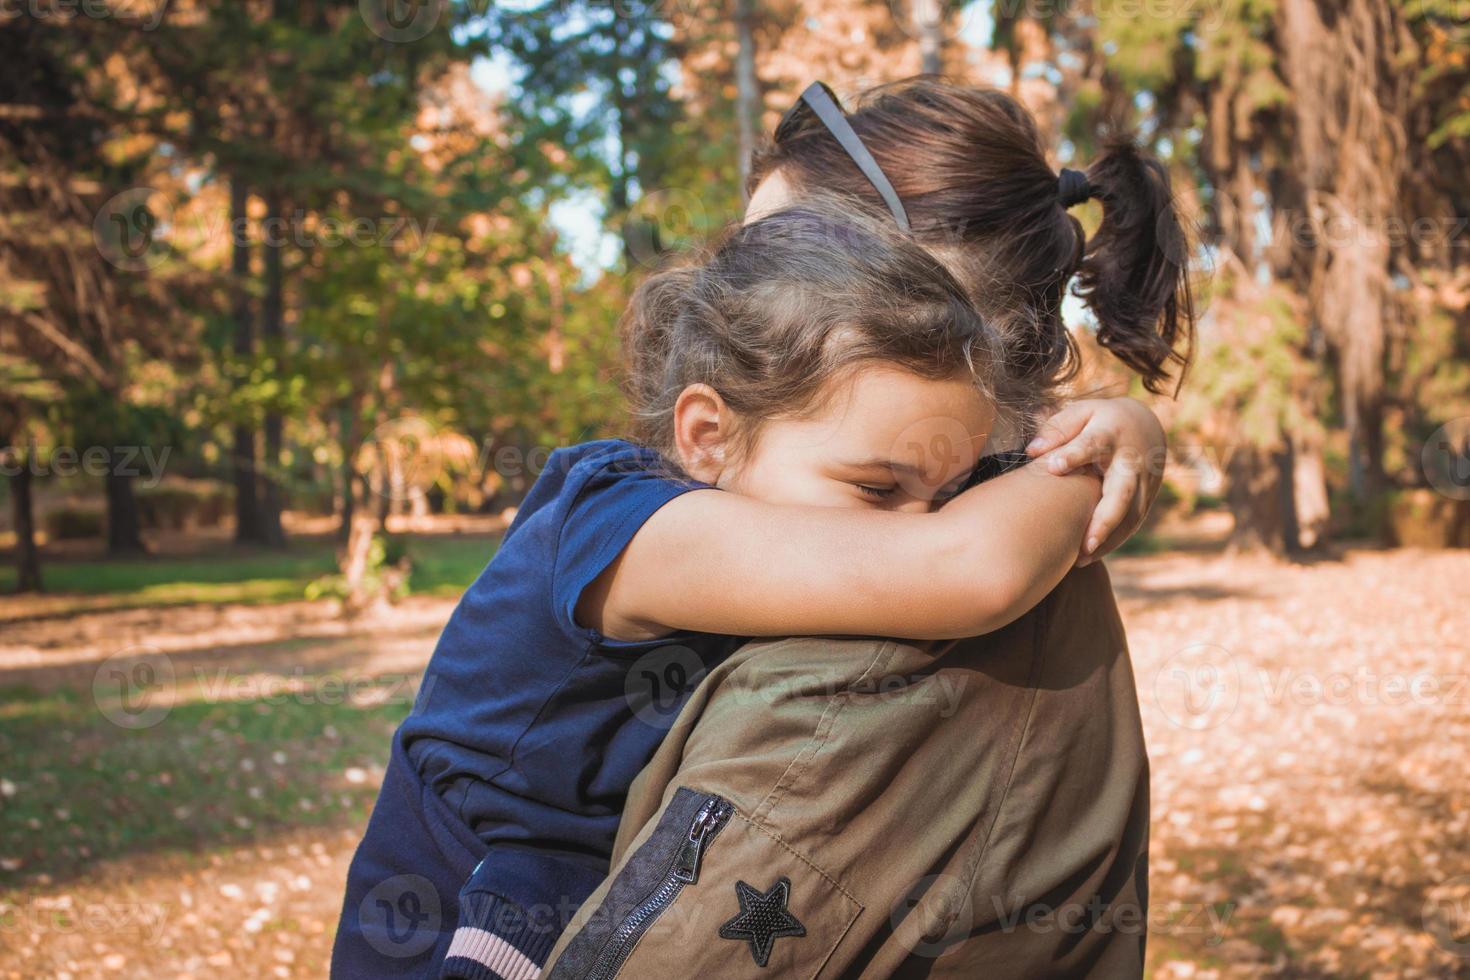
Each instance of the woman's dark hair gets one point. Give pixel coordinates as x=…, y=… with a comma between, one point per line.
x=969, y=167
x=786, y=304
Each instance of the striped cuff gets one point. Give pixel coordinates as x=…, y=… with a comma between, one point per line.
x=496, y=940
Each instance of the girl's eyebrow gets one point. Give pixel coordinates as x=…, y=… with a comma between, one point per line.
x=877, y=462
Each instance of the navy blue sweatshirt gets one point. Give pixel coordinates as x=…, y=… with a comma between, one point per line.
x=505, y=784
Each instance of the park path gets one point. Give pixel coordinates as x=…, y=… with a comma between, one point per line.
x=47, y=649
x=1309, y=734
x=1309, y=731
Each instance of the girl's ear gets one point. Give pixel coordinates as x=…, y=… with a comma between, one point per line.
x=702, y=431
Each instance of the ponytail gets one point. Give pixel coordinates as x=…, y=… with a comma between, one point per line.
x=1134, y=270
x=971, y=171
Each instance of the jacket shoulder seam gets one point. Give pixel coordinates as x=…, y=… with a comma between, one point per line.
x=799, y=763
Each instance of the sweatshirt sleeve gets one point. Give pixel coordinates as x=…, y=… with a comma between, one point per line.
x=618, y=493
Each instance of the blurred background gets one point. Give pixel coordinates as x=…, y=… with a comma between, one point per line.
x=296, y=298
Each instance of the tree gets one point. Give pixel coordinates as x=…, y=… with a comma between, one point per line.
x=928, y=22
x=1312, y=143
x=624, y=139
x=79, y=245
x=747, y=88
x=24, y=393
x=243, y=458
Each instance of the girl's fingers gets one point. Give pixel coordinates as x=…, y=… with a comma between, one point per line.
x=1065, y=425
x=1119, y=489
x=1109, y=545
x=1094, y=444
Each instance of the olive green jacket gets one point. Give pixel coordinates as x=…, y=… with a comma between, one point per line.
x=872, y=808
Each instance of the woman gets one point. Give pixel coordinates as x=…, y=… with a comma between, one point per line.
x=812, y=813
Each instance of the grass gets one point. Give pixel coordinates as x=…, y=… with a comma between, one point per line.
x=224, y=763
x=443, y=565
x=214, y=578
x=227, y=762
x=216, y=769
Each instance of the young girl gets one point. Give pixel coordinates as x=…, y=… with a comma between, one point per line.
x=836, y=382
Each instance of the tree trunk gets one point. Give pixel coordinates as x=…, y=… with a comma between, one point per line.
x=357, y=556
x=271, y=333
x=928, y=25
x=1291, y=530
x=1350, y=149
x=1370, y=429
x=383, y=479
x=1309, y=481
x=247, y=506
x=556, y=344
x=124, y=535
x=347, y=440
x=747, y=90
x=1255, y=491
x=346, y=504
x=619, y=192
x=359, y=549
x=27, y=555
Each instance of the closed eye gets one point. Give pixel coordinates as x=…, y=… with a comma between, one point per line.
x=878, y=493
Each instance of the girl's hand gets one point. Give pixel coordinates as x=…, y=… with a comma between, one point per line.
x=1121, y=438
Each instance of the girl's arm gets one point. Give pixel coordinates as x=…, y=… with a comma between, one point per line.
x=721, y=563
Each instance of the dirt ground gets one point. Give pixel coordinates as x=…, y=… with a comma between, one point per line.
x=1308, y=726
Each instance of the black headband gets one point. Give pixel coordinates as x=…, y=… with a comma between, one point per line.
x=1072, y=188
x=819, y=98
x=1072, y=185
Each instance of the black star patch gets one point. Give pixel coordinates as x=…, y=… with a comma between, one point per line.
x=762, y=918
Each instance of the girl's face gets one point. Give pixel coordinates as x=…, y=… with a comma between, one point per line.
x=883, y=438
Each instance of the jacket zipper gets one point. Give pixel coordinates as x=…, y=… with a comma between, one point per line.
x=683, y=870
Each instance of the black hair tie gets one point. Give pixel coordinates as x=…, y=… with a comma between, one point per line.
x=1072, y=188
